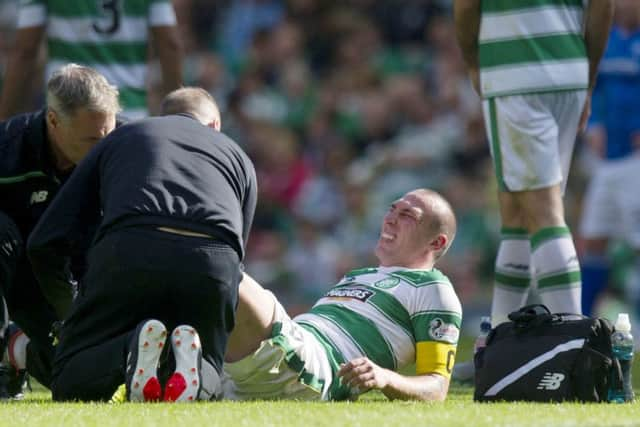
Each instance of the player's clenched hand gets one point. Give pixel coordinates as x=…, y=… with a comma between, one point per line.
x=362, y=373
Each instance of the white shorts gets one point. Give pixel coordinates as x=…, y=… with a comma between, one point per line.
x=292, y=364
x=612, y=203
x=532, y=137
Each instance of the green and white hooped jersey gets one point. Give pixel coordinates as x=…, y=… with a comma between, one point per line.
x=382, y=313
x=108, y=35
x=528, y=46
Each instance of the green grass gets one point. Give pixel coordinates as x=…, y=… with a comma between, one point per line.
x=459, y=410
x=372, y=410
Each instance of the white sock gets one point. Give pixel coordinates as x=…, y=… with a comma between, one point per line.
x=17, y=350
x=557, y=269
x=512, y=278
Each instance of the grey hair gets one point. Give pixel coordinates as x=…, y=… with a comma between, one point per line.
x=74, y=87
x=191, y=100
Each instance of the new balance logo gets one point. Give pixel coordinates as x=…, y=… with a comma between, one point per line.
x=39, y=196
x=7, y=248
x=550, y=381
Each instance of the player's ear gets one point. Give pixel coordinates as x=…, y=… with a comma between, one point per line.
x=53, y=119
x=439, y=242
x=215, y=124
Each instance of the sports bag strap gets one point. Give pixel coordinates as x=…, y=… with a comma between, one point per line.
x=531, y=316
x=570, y=316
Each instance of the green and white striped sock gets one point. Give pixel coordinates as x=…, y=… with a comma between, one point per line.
x=557, y=269
x=512, y=274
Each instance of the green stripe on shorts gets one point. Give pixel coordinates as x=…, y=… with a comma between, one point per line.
x=495, y=145
x=337, y=390
x=293, y=360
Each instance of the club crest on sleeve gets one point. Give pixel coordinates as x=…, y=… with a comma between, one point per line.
x=439, y=330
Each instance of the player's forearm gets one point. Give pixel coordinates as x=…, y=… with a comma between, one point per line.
x=171, y=64
x=597, y=25
x=427, y=387
x=51, y=270
x=15, y=85
x=467, y=21
x=49, y=251
x=169, y=48
x=20, y=71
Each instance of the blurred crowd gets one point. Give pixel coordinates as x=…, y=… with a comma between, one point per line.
x=343, y=106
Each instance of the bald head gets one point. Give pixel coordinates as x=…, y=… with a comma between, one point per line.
x=440, y=218
x=194, y=101
x=417, y=229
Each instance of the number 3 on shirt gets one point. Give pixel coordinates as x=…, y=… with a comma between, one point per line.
x=109, y=20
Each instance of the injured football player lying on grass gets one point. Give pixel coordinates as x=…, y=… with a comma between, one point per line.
x=372, y=324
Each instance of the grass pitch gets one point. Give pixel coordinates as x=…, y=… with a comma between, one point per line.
x=459, y=410
x=37, y=410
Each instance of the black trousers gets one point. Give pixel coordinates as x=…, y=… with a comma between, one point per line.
x=25, y=301
x=136, y=274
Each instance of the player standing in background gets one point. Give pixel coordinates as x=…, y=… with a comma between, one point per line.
x=612, y=204
x=109, y=35
x=534, y=63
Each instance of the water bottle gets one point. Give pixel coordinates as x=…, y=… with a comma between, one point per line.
x=485, y=328
x=622, y=346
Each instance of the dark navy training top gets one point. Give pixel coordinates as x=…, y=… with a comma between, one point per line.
x=28, y=177
x=161, y=171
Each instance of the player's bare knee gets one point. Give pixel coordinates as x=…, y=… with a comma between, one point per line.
x=255, y=316
x=543, y=208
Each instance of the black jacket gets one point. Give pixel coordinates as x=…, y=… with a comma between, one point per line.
x=161, y=171
x=28, y=184
x=28, y=181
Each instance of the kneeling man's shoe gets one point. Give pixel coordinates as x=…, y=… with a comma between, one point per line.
x=184, y=384
x=145, y=349
x=194, y=378
x=13, y=380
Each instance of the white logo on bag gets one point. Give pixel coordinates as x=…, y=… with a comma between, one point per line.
x=551, y=381
x=7, y=248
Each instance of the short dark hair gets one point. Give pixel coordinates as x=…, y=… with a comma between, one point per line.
x=191, y=100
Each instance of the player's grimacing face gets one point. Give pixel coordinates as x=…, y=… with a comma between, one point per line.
x=402, y=238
